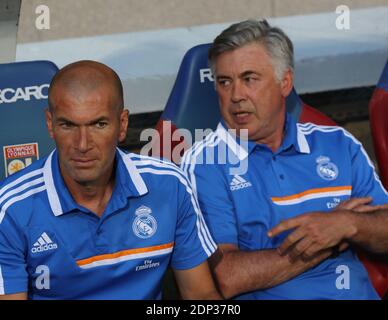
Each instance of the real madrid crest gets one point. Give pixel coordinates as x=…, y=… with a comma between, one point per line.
x=144, y=225
x=326, y=170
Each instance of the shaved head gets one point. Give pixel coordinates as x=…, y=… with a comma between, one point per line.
x=87, y=120
x=83, y=78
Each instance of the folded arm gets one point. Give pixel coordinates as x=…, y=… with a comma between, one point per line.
x=364, y=225
x=238, y=272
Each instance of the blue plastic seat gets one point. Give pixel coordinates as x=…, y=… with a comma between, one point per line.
x=23, y=98
x=378, y=116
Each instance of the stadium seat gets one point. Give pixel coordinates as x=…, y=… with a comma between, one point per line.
x=378, y=119
x=23, y=98
x=193, y=104
x=378, y=116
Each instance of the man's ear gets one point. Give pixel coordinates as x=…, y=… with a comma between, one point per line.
x=49, y=122
x=287, y=83
x=124, y=116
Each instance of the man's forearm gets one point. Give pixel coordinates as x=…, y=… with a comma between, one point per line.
x=238, y=272
x=15, y=296
x=372, y=231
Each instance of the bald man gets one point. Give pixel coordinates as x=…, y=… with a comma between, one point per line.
x=92, y=222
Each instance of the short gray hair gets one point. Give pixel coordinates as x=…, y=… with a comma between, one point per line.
x=279, y=47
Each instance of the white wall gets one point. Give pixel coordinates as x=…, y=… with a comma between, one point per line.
x=147, y=61
x=9, y=12
x=82, y=18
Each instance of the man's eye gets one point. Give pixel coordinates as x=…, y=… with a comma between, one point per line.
x=66, y=125
x=224, y=82
x=250, y=79
x=101, y=124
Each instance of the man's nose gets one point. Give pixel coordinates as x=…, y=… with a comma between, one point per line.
x=238, y=91
x=83, y=140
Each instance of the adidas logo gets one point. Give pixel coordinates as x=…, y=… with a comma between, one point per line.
x=44, y=243
x=239, y=183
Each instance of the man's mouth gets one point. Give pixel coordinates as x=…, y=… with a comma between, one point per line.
x=241, y=117
x=83, y=162
x=241, y=114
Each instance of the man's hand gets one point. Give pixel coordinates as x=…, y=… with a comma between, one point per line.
x=360, y=205
x=357, y=205
x=313, y=232
x=317, y=231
